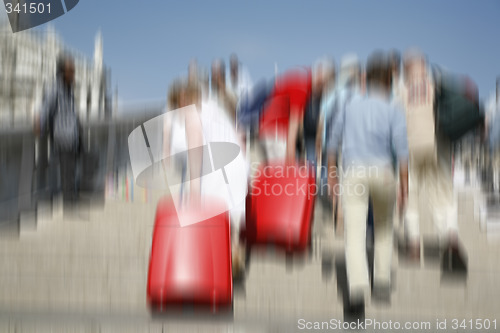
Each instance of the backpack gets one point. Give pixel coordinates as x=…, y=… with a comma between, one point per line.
x=456, y=106
x=65, y=127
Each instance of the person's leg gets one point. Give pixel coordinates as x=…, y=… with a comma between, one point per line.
x=338, y=211
x=412, y=216
x=370, y=224
x=68, y=176
x=54, y=174
x=444, y=205
x=310, y=143
x=384, y=200
x=238, y=252
x=446, y=221
x=355, y=199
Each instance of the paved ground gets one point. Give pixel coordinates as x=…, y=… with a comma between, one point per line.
x=86, y=270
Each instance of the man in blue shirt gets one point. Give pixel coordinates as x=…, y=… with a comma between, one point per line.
x=372, y=135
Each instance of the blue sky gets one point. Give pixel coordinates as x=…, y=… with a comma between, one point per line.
x=150, y=42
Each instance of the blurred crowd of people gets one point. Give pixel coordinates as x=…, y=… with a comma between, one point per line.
x=352, y=116
x=337, y=121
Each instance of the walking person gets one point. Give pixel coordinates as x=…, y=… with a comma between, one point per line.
x=323, y=79
x=348, y=84
x=371, y=133
x=431, y=186
x=58, y=117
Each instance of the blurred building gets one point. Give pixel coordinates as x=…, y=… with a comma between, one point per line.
x=27, y=69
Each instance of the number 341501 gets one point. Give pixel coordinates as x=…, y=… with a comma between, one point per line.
x=33, y=8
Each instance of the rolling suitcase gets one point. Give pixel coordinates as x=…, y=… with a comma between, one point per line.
x=275, y=118
x=289, y=94
x=280, y=207
x=190, y=263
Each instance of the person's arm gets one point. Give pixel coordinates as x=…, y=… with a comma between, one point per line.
x=403, y=184
x=399, y=140
x=333, y=146
x=319, y=139
x=325, y=110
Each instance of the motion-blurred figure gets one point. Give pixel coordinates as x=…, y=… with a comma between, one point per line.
x=240, y=89
x=323, y=79
x=239, y=77
x=397, y=88
x=494, y=119
x=204, y=79
x=219, y=92
x=187, y=129
x=175, y=136
x=431, y=189
x=218, y=115
x=349, y=83
x=371, y=133
x=59, y=119
x=397, y=81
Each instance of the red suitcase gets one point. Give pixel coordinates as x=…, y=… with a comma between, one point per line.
x=280, y=207
x=275, y=118
x=291, y=92
x=190, y=264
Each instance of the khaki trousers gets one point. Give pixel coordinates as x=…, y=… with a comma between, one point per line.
x=358, y=185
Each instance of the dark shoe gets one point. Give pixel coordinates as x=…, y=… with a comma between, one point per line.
x=354, y=312
x=454, y=261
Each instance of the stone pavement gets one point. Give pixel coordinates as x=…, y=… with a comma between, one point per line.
x=85, y=271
